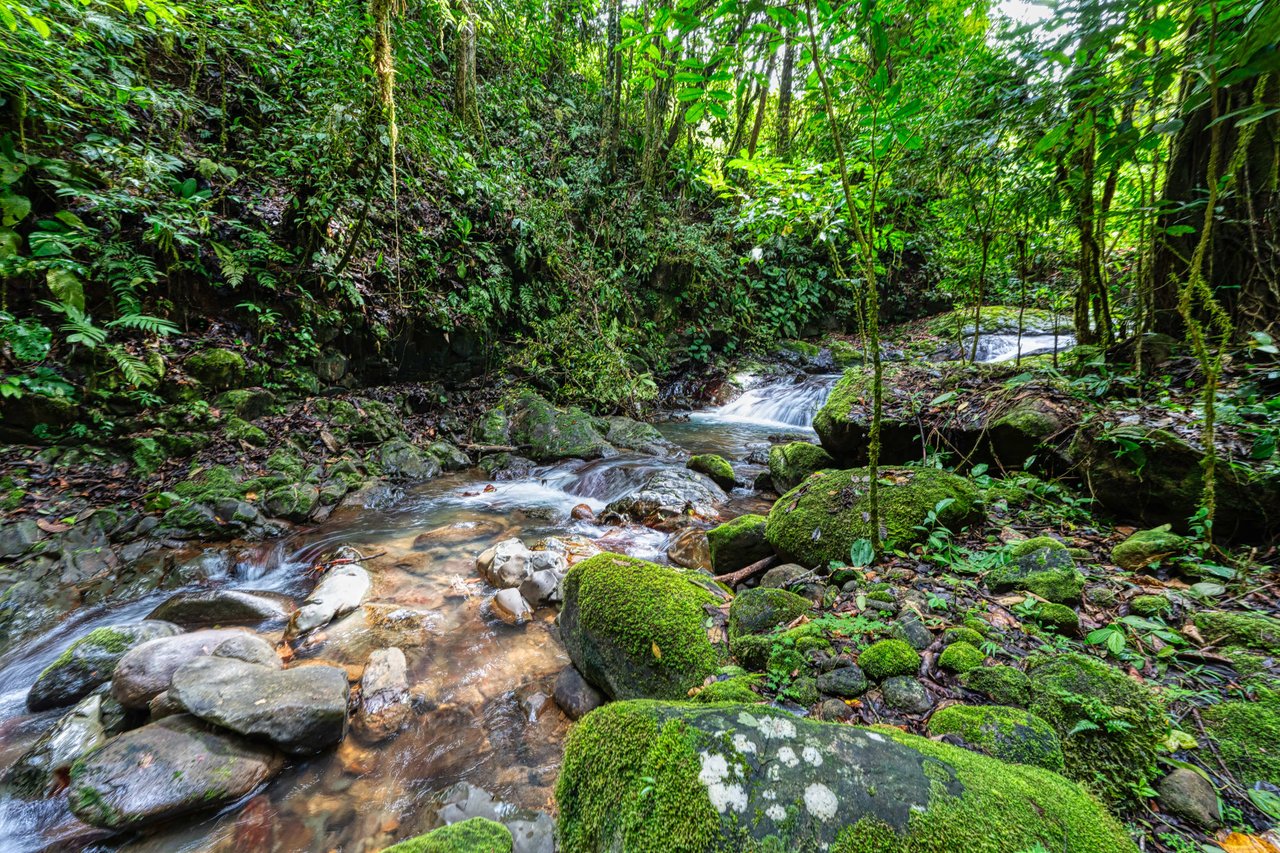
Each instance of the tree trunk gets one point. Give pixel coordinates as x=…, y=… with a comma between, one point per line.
x=465, y=102
x=762, y=109
x=612, y=89
x=782, y=144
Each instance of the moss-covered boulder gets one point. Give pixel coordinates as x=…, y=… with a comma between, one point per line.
x=294, y=502
x=474, y=835
x=843, y=423
x=638, y=630
x=1148, y=546
x=960, y=657
x=738, y=543
x=358, y=420
x=399, y=460
x=247, y=403
x=888, y=658
x=1247, y=735
x=1002, y=684
x=1150, y=605
x=1110, y=724
x=219, y=369
x=655, y=776
x=541, y=431
x=819, y=520
x=636, y=435
x=1250, y=630
x=755, y=611
x=1049, y=572
x=1022, y=431
x=90, y=661
x=1009, y=734
x=791, y=464
x=1059, y=617
x=715, y=467
x=238, y=429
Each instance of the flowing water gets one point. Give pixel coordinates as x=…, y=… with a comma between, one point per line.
x=997, y=348
x=481, y=687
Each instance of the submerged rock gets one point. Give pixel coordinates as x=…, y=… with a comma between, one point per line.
x=342, y=589
x=166, y=769
x=649, y=775
x=384, y=695
x=205, y=608
x=819, y=521
x=636, y=629
x=146, y=671
x=89, y=662
x=574, y=695
x=80, y=731
x=689, y=548
x=301, y=710
x=509, y=606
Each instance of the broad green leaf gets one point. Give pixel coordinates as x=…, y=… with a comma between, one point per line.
x=66, y=286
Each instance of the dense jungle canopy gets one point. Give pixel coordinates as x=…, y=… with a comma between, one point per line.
x=684, y=425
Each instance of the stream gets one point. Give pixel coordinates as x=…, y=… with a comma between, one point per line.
x=482, y=717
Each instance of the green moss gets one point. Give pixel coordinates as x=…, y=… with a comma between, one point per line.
x=1059, y=617
x=978, y=624
x=1002, y=684
x=1029, y=421
x=961, y=657
x=215, y=483
x=803, y=691
x=1247, y=735
x=238, y=429
x=715, y=467
x=818, y=521
x=751, y=651
x=1027, y=546
x=736, y=689
x=286, y=464
x=636, y=629
x=791, y=464
x=217, y=368
x=966, y=635
x=147, y=455
x=475, y=835
x=1111, y=725
x=1150, y=605
x=1048, y=572
x=738, y=543
x=887, y=658
x=1251, y=630
x=1147, y=546
x=630, y=781
x=109, y=640
x=755, y=611
x=1010, y=734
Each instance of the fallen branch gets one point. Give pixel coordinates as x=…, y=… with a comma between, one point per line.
x=735, y=578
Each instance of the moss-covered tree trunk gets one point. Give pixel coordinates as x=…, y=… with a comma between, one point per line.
x=782, y=146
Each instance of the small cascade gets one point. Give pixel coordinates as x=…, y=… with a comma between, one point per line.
x=781, y=404
x=997, y=348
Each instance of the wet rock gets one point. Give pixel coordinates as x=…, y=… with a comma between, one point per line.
x=668, y=493
x=1188, y=794
x=293, y=502
x=574, y=695
x=40, y=770
x=689, y=548
x=507, y=466
x=206, y=608
x=301, y=710
x=791, y=464
x=738, y=543
x=846, y=682
x=819, y=520
x=635, y=629
x=90, y=661
x=906, y=694
x=250, y=649
x=636, y=435
x=384, y=695
x=529, y=422
x=146, y=670
x=401, y=461
x=541, y=587
x=582, y=512
x=166, y=769
x=448, y=455
x=509, y=606
x=340, y=591
x=17, y=538
x=804, y=784
x=372, y=494
x=506, y=565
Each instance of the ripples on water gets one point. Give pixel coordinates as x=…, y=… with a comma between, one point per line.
x=482, y=710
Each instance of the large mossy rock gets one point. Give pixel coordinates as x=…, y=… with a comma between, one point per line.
x=819, y=520
x=635, y=629
x=655, y=776
x=1247, y=736
x=91, y=661
x=1156, y=476
x=738, y=543
x=1049, y=571
x=541, y=431
x=1111, y=725
x=474, y=835
x=759, y=610
x=1010, y=734
x=791, y=464
x=166, y=769
x=1147, y=546
x=843, y=423
x=219, y=369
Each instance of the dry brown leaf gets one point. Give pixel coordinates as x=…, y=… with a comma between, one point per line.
x=1238, y=842
x=52, y=526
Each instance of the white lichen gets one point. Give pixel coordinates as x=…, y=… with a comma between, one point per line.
x=812, y=756
x=713, y=775
x=743, y=745
x=821, y=801
x=787, y=756
x=776, y=813
x=777, y=727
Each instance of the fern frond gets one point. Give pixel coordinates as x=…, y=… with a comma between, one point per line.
x=144, y=323
x=135, y=371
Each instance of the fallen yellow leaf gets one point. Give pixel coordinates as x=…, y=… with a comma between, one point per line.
x=657, y=652
x=1238, y=842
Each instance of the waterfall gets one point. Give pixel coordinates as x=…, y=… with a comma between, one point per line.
x=788, y=404
x=997, y=348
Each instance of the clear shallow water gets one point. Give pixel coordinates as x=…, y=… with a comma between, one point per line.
x=482, y=709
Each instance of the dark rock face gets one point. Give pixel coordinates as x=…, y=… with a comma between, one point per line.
x=146, y=671
x=90, y=661
x=301, y=710
x=166, y=769
x=80, y=731
x=207, y=608
x=574, y=695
